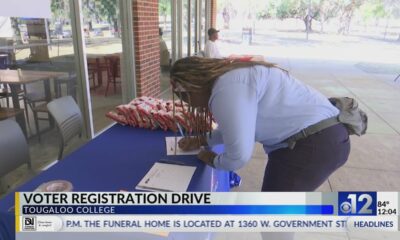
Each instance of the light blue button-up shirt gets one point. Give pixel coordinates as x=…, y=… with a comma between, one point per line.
x=261, y=104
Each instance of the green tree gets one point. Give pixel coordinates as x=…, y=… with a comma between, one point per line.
x=90, y=13
x=164, y=10
x=60, y=11
x=268, y=10
x=17, y=30
x=108, y=9
x=321, y=10
x=393, y=10
x=288, y=9
x=325, y=10
x=373, y=9
x=306, y=10
x=347, y=9
x=228, y=9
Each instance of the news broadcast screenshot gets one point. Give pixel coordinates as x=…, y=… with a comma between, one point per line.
x=199, y=119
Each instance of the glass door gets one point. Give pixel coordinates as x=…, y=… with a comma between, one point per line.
x=165, y=35
x=202, y=24
x=103, y=43
x=193, y=27
x=185, y=22
x=37, y=48
x=191, y=24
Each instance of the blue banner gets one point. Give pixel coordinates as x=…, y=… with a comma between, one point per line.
x=179, y=209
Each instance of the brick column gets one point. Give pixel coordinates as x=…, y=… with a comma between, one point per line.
x=147, y=47
x=213, y=14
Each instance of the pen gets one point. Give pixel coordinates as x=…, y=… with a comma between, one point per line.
x=180, y=129
x=146, y=188
x=171, y=162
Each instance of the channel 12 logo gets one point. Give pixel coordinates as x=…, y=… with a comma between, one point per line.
x=357, y=203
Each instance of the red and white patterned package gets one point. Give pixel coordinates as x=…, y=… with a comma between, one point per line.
x=117, y=117
x=152, y=113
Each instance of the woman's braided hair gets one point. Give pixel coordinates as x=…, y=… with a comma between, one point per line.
x=197, y=74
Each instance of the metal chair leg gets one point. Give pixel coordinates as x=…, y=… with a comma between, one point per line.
x=60, y=153
x=27, y=115
x=35, y=116
x=3, y=188
x=108, y=85
x=29, y=164
x=115, y=82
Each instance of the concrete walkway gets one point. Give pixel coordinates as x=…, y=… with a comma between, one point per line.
x=374, y=162
x=374, y=159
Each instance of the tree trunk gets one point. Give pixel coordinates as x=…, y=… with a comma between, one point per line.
x=226, y=16
x=347, y=29
x=322, y=22
x=116, y=30
x=62, y=25
x=17, y=31
x=386, y=27
x=347, y=15
x=308, y=23
x=345, y=21
x=322, y=27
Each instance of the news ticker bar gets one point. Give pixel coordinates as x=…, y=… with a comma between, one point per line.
x=206, y=223
x=77, y=210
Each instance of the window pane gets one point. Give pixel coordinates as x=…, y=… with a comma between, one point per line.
x=39, y=55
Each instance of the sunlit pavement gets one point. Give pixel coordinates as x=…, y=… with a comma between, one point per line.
x=340, y=66
x=346, y=66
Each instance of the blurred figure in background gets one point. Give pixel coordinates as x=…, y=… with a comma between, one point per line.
x=211, y=48
x=164, y=53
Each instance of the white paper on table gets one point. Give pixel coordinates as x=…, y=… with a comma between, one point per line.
x=170, y=144
x=167, y=178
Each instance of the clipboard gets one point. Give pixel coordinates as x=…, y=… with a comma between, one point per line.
x=167, y=177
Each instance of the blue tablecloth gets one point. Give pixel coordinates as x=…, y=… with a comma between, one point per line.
x=116, y=160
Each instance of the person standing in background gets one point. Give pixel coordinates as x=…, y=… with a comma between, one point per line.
x=211, y=48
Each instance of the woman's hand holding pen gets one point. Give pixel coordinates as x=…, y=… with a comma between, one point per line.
x=192, y=143
x=207, y=157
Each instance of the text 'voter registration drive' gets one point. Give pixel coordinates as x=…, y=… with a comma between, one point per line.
x=170, y=212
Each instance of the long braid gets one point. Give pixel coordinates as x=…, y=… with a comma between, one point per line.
x=197, y=75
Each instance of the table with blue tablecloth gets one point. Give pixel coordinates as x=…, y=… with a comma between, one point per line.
x=115, y=160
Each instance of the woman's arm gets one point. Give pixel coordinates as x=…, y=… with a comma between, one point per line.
x=216, y=138
x=235, y=109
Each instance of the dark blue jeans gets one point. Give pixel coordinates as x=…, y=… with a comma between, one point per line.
x=310, y=163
